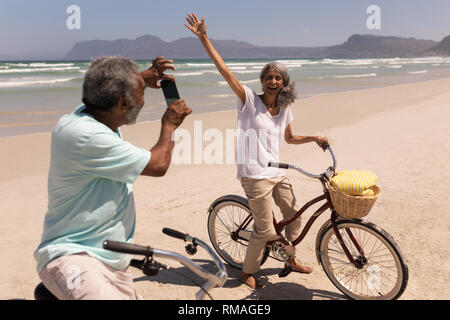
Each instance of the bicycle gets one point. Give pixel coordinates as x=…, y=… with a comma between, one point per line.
x=362, y=260
x=151, y=267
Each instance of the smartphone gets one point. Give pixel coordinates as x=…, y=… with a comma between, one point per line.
x=170, y=91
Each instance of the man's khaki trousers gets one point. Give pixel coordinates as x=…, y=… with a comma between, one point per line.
x=81, y=277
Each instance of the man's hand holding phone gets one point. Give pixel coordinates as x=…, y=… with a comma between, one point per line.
x=176, y=108
x=175, y=114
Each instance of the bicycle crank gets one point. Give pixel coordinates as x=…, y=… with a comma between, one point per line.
x=284, y=252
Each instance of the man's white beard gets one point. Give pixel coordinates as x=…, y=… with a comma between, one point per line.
x=133, y=113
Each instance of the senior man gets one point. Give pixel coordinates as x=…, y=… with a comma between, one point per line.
x=90, y=181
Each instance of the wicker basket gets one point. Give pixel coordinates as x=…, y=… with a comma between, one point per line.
x=352, y=207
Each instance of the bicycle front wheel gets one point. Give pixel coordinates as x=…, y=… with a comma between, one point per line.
x=224, y=219
x=381, y=273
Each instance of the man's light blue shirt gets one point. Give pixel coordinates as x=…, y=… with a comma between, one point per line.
x=89, y=189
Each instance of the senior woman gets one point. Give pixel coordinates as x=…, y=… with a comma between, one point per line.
x=262, y=121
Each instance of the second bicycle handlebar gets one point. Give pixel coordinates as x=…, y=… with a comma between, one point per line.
x=306, y=173
x=214, y=280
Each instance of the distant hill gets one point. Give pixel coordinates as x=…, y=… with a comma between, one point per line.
x=148, y=46
x=443, y=48
x=370, y=46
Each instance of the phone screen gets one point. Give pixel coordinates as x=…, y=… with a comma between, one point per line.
x=170, y=91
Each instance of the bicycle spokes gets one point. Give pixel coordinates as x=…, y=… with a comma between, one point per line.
x=375, y=268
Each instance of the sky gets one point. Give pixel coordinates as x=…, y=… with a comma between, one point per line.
x=38, y=28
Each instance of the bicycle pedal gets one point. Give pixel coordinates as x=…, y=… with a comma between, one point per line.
x=285, y=272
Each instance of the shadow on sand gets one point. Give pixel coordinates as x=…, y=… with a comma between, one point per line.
x=271, y=291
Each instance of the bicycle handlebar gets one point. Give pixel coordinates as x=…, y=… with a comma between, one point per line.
x=128, y=248
x=174, y=233
x=214, y=280
x=306, y=173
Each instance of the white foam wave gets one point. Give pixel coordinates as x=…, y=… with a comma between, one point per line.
x=250, y=81
x=34, y=82
x=211, y=71
x=294, y=65
x=40, y=64
x=293, y=61
x=424, y=60
x=418, y=72
x=245, y=64
x=352, y=62
x=356, y=75
x=246, y=71
x=198, y=64
x=17, y=64
x=244, y=82
x=188, y=74
x=395, y=66
x=29, y=70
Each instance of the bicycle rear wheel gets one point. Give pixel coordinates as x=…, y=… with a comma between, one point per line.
x=224, y=219
x=382, y=273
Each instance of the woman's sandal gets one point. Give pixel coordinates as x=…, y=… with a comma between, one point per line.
x=300, y=269
x=250, y=281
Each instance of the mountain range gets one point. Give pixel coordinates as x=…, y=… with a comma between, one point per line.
x=357, y=46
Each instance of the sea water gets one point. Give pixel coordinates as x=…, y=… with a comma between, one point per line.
x=35, y=94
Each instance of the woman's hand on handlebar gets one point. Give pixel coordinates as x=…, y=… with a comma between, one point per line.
x=322, y=142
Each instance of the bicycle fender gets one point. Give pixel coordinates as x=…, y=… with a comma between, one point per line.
x=229, y=197
x=319, y=236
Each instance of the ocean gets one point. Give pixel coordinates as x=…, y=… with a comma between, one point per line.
x=35, y=94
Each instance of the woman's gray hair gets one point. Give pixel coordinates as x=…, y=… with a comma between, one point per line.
x=288, y=94
x=107, y=80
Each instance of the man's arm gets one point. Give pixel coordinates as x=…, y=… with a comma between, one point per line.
x=161, y=153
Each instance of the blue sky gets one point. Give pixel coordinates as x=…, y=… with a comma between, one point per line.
x=30, y=28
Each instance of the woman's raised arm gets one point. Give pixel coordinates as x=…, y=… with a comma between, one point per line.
x=199, y=29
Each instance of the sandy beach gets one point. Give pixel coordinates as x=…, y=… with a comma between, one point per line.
x=400, y=132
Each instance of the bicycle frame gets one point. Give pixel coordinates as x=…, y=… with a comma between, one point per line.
x=279, y=226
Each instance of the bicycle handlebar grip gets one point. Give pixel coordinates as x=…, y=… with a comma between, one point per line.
x=128, y=248
x=174, y=233
x=278, y=165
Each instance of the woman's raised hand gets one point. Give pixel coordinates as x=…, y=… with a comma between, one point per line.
x=195, y=25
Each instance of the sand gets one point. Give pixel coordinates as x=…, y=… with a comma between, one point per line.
x=399, y=132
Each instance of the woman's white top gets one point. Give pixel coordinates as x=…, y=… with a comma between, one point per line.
x=259, y=137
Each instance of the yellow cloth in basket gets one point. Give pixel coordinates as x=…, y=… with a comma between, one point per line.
x=354, y=182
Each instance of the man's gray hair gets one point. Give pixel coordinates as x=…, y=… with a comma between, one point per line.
x=288, y=94
x=107, y=80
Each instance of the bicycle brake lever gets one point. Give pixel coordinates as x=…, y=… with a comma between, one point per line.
x=151, y=267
